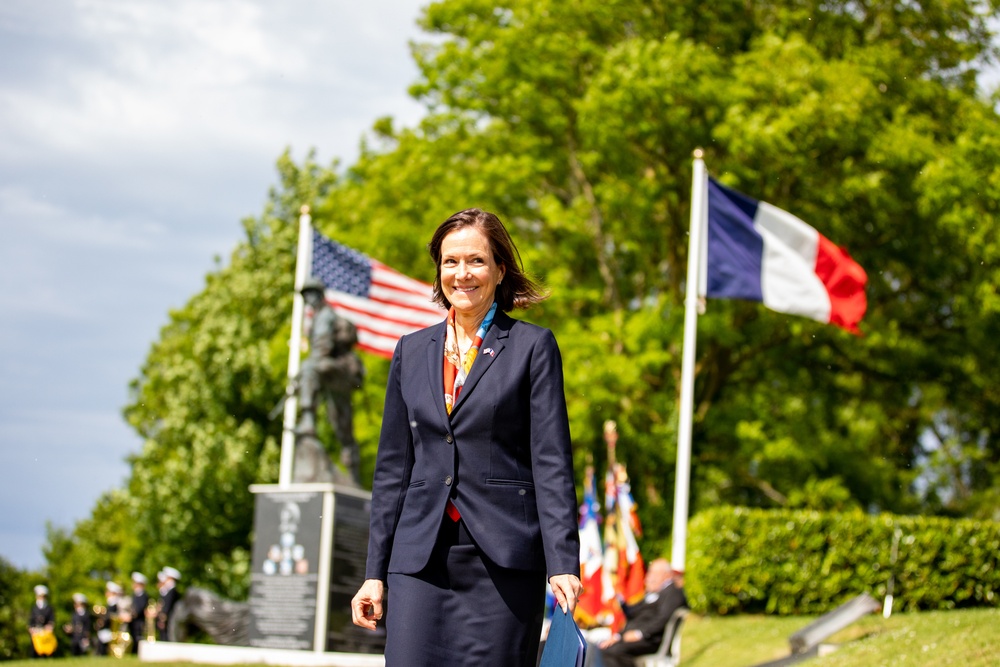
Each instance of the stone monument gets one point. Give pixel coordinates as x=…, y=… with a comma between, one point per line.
x=311, y=530
x=310, y=547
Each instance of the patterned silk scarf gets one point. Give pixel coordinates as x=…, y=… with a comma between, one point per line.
x=455, y=370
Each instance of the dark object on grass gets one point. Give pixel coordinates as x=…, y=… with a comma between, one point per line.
x=225, y=621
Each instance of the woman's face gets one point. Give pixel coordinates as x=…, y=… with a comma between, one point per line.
x=469, y=274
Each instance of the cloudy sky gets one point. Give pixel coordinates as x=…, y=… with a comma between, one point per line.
x=134, y=136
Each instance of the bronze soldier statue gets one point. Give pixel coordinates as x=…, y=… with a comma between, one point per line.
x=334, y=369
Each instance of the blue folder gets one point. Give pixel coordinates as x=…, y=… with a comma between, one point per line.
x=565, y=645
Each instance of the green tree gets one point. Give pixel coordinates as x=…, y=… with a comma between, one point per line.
x=578, y=119
x=94, y=552
x=576, y=122
x=202, y=400
x=15, y=600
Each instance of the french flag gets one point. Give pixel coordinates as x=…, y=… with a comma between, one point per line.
x=758, y=252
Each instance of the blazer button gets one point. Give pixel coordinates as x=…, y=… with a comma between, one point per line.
x=521, y=492
x=449, y=439
x=447, y=480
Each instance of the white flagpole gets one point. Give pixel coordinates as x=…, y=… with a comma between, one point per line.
x=681, y=485
x=303, y=267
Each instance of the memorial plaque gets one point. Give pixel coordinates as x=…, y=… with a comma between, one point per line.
x=350, y=551
x=286, y=569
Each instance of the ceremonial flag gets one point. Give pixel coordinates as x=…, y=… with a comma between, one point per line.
x=590, y=603
x=758, y=252
x=623, y=570
x=381, y=302
x=631, y=570
x=611, y=614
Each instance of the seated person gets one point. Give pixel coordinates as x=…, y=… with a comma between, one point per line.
x=646, y=622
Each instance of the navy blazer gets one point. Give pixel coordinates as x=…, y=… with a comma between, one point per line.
x=504, y=456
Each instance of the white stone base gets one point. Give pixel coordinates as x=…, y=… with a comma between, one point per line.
x=235, y=655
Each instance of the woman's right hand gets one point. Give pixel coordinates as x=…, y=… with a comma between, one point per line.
x=366, y=607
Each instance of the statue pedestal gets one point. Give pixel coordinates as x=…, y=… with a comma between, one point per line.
x=310, y=546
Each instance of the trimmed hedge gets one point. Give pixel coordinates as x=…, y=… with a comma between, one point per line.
x=803, y=562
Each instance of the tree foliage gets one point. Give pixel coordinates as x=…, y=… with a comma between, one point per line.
x=576, y=121
x=15, y=601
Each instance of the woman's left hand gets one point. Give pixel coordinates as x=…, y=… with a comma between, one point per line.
x=566, y=588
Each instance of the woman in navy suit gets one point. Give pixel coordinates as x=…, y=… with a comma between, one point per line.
x=473, y=501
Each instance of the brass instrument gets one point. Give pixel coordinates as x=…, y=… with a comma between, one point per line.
x=121, y=638
x=112, y=629
x=151, y=612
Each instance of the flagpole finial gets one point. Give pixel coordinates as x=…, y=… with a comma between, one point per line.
x=304, y=209
x=698, y=154
x=610, y=433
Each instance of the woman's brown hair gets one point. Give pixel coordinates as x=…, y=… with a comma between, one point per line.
x=516, y=290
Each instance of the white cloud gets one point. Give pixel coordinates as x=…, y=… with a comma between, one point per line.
x=134, y=136
x=39, y=221
x=185, y=75
x=50, y=253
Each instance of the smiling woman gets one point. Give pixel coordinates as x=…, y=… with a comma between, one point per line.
x=461, y=533
x=518, y=291
x=468, y=277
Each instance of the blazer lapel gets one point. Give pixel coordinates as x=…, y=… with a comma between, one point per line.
x=494, y=341
x=435, y=370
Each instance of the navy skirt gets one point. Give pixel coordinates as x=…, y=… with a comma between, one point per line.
x=463, y=609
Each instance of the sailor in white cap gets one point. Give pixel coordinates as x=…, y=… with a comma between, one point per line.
x=41, y=620
x=140, y=601
x=168, y=598
x=79, y=626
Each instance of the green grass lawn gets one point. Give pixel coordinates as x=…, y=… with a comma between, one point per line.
x=970, y=638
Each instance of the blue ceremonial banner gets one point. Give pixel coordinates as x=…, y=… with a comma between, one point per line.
x=565, y=645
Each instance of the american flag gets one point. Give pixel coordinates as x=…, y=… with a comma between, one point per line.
x=382, y=303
